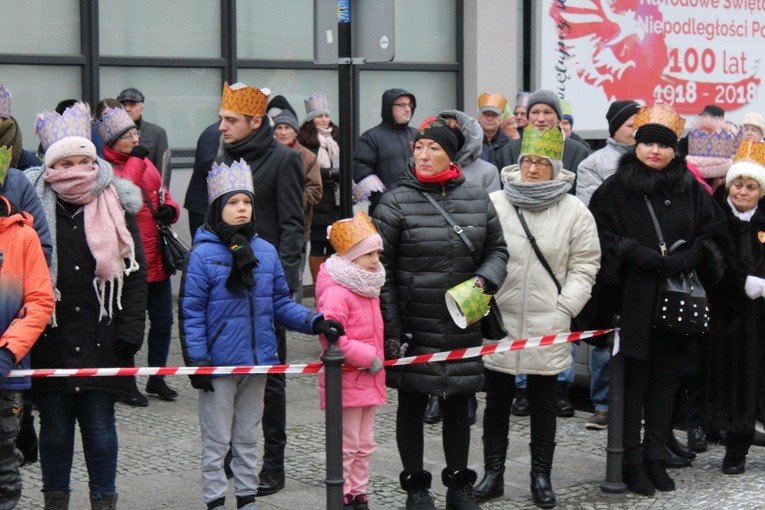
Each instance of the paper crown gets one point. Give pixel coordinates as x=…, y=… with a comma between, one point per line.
x=751, y=150
x=52, y=126
x=222, y=179
x=244, y=100
x=662, y=114
x=345, y=233
x=565, y=107
x=718, y=144
x=5, y=102
x=548, y=143
x=113, y=122
x=316, y=104
x=494, y=102
x=5, y=162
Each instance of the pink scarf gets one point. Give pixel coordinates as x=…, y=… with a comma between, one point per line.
x=106, y=232
x=354, y=277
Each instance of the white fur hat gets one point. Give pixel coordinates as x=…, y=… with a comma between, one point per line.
x=746, y=168
x=756, y=120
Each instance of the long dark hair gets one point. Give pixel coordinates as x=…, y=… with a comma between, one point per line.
x=308, y=136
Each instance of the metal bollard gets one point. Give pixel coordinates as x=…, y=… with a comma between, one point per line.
x=613, y=483
x=333, y=360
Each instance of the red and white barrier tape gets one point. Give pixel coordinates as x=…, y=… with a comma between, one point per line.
x=313, y=368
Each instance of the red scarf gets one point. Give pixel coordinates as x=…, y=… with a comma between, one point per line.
x=452, y=173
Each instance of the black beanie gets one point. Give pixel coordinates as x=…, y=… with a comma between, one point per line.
x=281, y=103
x=656, y=133
x=441, y=131
x=618, y=113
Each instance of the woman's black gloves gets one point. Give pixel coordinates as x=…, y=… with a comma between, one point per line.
x=165, y=214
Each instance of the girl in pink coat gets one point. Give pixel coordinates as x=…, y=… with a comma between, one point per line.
x=347, y=290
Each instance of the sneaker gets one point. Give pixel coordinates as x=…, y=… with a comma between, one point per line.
x=598, y=421
x=360, y=502
x=348, y=502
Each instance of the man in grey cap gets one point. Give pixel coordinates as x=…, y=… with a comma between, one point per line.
x=544, y=110
x=151, y=136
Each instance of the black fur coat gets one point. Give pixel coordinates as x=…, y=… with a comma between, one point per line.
x=684, y=210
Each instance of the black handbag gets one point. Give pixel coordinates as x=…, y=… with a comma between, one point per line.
x=172, y=250
x=492, y=326
x=681, y=301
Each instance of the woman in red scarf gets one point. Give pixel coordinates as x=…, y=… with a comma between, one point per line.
x=128, y=160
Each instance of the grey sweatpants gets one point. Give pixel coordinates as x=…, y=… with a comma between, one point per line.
x=230, y=415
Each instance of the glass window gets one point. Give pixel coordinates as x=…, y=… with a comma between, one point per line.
x=275, y=30
x=40, y=26
x=171, y=28
x=426, y=31
x=295, y=86
x=183, y=101
x=35, y=89
x=434, y=92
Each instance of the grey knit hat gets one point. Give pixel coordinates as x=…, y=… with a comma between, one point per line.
x=284, y=117
x=547, y=97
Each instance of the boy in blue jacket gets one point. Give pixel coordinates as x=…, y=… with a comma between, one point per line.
x=233, y=292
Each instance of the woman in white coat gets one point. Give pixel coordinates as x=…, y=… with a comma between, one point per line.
x=533, y=303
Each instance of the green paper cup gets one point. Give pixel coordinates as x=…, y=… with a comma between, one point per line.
x=467, y=304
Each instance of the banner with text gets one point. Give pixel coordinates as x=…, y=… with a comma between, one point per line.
x=687, y=53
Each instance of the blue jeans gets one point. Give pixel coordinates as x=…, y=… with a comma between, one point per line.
x=159, y=305
x=11, y=404
x=94, y=411
x=600, y=361
x=566, y=377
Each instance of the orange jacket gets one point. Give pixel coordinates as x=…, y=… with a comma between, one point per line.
x=26, y=294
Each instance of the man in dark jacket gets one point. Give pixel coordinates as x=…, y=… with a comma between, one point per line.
x=277, y=173
x=573, y=151
x=152, y=136
x=196, y=194
x=490, y=108
x=384, y=150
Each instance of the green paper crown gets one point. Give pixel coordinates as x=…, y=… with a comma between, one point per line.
x=5, y=162
x=547, y=144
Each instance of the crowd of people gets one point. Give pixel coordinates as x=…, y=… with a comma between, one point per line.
x=512, y=205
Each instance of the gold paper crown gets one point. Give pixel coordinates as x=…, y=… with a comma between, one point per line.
x=113, y=122
x=244, y=100
x=345, y=233
x=662, y=114
x=223, y=179
x=52, y=127
x=5, y=102
x=548, y=143
x=5, y=162
x=495, y=100
x=751, y=150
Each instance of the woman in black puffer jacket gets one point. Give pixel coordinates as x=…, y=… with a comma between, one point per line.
x=423, y=258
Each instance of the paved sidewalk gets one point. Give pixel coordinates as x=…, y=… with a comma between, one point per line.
x=160, y=448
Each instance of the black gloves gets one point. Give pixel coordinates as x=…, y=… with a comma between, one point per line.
x=165, y=214
x=391, y=348
x=648, y=259
x=202, y=382
x=139, y=151
x=328, y=327
x=125, y=349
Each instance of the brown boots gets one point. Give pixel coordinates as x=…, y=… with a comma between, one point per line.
x=314, y=263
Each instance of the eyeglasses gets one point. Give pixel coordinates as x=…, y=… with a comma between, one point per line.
x=404, y=105
x=131, y=134
x=541, y=164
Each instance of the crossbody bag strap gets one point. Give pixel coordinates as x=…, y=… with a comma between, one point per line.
x=460, y=232
x=151, y=207
x=662, y=243
x=535, y=246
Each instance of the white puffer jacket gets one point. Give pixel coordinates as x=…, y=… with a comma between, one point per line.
x=529, y=300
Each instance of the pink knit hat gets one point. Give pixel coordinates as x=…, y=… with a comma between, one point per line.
x=366, y=245
x=69, y=146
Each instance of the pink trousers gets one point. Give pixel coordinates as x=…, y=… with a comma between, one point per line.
x=358, y=445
